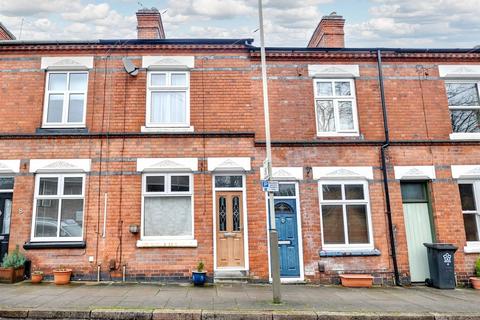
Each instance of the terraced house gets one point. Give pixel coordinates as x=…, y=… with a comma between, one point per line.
x=144, y=171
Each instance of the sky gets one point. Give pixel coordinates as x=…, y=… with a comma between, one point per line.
x=369, y=23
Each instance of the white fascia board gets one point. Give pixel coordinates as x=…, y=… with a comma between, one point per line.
x=168, y=62
x=60, y=165
x=414, y=172
x=333, y=70
x=284, y=173
x=465, y=171
x=459, y=71
x=67, y=63
x=229, y=164
x=342, y=173
x=167, y=164
x=9, y=166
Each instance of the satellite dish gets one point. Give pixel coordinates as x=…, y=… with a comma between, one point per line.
x=129, y=67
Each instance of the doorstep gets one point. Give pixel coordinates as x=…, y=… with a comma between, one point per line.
x=230, y=276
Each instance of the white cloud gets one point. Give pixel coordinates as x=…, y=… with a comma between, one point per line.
x=35, y=7
x=413, y=23
x=406, y=23
x=65, y=19
x=88, y=13
x=286, y=22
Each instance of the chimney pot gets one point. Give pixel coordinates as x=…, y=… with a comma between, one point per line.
x=149, y=24
x=329, y=32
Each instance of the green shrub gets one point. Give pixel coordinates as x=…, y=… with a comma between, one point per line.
x=200, y=266
x=16, y=259
x=477, y=268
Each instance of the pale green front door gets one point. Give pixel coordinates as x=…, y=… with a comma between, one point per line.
x=416, y=211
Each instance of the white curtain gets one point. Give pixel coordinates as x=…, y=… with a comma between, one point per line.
x=168, y=107
x=6, y=217
x=168, y=216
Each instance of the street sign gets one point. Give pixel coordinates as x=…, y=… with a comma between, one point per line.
x=270, y=186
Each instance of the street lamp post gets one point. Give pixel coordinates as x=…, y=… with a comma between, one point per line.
x=273, y=235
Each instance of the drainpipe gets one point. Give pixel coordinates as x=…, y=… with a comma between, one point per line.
x=383, y=149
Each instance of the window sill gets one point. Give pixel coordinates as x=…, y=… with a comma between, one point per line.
x=167, y=129
x=350, y=253
x=55, y=245
x=63, y=130
x=471, y=249
x=167, y=244
x=335, y=134
x=465, y=136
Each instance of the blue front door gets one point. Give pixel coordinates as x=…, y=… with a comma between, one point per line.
x=286, y=223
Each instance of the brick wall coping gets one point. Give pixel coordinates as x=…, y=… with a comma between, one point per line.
x=196, y=314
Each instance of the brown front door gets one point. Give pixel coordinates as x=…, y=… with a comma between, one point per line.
x=230, y=251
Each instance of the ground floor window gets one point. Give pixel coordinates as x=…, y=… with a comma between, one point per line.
x=345, y=215
x=58, y=207
x=6, y=184
x=469, y=196
x=167, y=206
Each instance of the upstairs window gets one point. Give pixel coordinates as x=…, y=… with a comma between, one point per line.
x=65, y=99
x=464, y=105
x=168, y=99
x=335, y=107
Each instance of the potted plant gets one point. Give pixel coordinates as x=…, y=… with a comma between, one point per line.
x=200, y=275
x=62, y=275
x=37, y=276
x=476, y=280
x=13, y=267
x=357, y=280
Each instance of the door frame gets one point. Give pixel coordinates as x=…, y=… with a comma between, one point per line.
x=427, y=188
x=428, y=191
x=301, y=278
x=243, y=189
x=8, y=191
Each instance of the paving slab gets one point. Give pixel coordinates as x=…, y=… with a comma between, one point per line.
x=240, y=301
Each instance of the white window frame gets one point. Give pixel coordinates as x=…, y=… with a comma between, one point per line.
x=61, y=197
x=7, y=190
x=366, y=201
x=166, y=193
x=463, y=135
x=66, y=100
x=335, y=99
x=476, y=195
x=168, y=88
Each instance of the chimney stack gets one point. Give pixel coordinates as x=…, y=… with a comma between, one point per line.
x=5, y=34
x=149, y=24
x=329, y=32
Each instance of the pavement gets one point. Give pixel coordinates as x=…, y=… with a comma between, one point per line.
x=109, y=300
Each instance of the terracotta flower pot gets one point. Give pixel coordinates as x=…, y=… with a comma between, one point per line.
x=11, y=275
x=357, y=280
x=475, y=282
x=62, y=276
x=37, y=277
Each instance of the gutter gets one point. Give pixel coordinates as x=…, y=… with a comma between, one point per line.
x=123, y=135
x=383, y=150
x=369, y=50
x=115, y=42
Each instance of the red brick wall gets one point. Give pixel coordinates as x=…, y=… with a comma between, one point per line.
x=226, y=96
